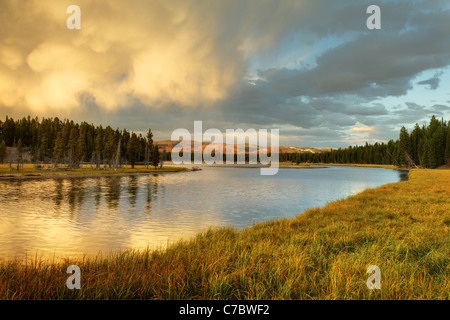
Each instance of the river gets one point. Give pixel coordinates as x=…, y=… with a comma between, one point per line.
x=71, y=217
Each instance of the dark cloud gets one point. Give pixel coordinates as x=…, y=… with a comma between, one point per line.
x=432, y=83
x=318, y=71
x=372, y=65
x=440, y=107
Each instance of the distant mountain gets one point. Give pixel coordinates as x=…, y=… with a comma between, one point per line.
x=167, y=146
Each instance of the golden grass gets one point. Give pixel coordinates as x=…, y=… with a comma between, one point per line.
x=28, y=170
x=384, y=166
x=322, y=253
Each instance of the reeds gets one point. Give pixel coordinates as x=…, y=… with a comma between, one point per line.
x=322, y=253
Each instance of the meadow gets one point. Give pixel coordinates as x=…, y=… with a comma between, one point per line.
x=322, y=253
x=47, y=170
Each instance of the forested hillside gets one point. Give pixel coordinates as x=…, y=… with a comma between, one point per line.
x=426, y=146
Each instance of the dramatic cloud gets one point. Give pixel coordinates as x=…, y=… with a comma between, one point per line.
x=186, y=52
x=310, y=68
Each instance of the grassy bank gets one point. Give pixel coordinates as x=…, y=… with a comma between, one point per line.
x=322, y=253
x=48, y=171
x=383, y=166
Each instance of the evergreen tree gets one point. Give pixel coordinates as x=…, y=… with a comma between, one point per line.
x=59, y=149
x=124, y=143
x=72, y=147
x=403, y=146
x=441, y=141
x=132, y=149
x=110, y=148
x=19, y=153
x=447, y=147
x=8, y=131
x=421, y=152
x=98, y=147
x=81, y=147
x=427, y=145
x=427, y=153
x=43, y=148
x=148, y=147
x=2, y=151
x=416, y=136
x=155, y=156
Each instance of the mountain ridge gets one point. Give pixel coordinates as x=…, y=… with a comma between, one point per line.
x=167, y=146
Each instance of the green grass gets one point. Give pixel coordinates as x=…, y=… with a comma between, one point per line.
x=322, y=253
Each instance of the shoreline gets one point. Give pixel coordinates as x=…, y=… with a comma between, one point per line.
x=66, y=174
x=323, y=252
x=51, y=173
x=264, y=166
x=381, y=166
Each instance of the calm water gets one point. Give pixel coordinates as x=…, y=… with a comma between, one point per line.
x=70, y=217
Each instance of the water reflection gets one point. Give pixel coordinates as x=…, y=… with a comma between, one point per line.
x=98, y=193
x=113, y=193
x=76, y=216
x=151, y=189
x=76, y=193
x=132, y=190
x=58, y=194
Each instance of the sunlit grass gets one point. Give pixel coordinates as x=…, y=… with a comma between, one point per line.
x=322, y=253
x=49, y=170
x=384, y=166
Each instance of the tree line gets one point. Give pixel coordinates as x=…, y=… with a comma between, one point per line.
x=52, y=140
x=426, y=146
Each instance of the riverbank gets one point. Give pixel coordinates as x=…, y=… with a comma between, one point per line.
x=383, y=166
x=29, y=172
x=322, y=253
x=258, y=166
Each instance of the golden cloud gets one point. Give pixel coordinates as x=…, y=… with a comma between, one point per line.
x=155, y=51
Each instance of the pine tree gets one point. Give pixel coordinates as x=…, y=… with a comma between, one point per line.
x=416, y=136
x=148, y=147
x=428, y=154
x=110, y=148
x=438, y=146
x=132, y=149
x=59, y=149
x=19, y=153
x=2, y=151
x=403, y=146
x=81, y=147
x=43, y=148
x=155, y=156
x=123, y=148
x=72, y=147
x=117, y=157
x=98, y=151
x=447, y=147
x=8, y=131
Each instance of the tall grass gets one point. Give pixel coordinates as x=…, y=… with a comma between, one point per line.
x=322, y=253
x=49, y=170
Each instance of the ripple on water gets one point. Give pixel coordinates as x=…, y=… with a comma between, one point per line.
x=79, y=216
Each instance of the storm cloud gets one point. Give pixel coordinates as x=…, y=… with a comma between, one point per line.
x=310, y=68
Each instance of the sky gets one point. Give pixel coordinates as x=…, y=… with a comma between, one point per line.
x=310, y=68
